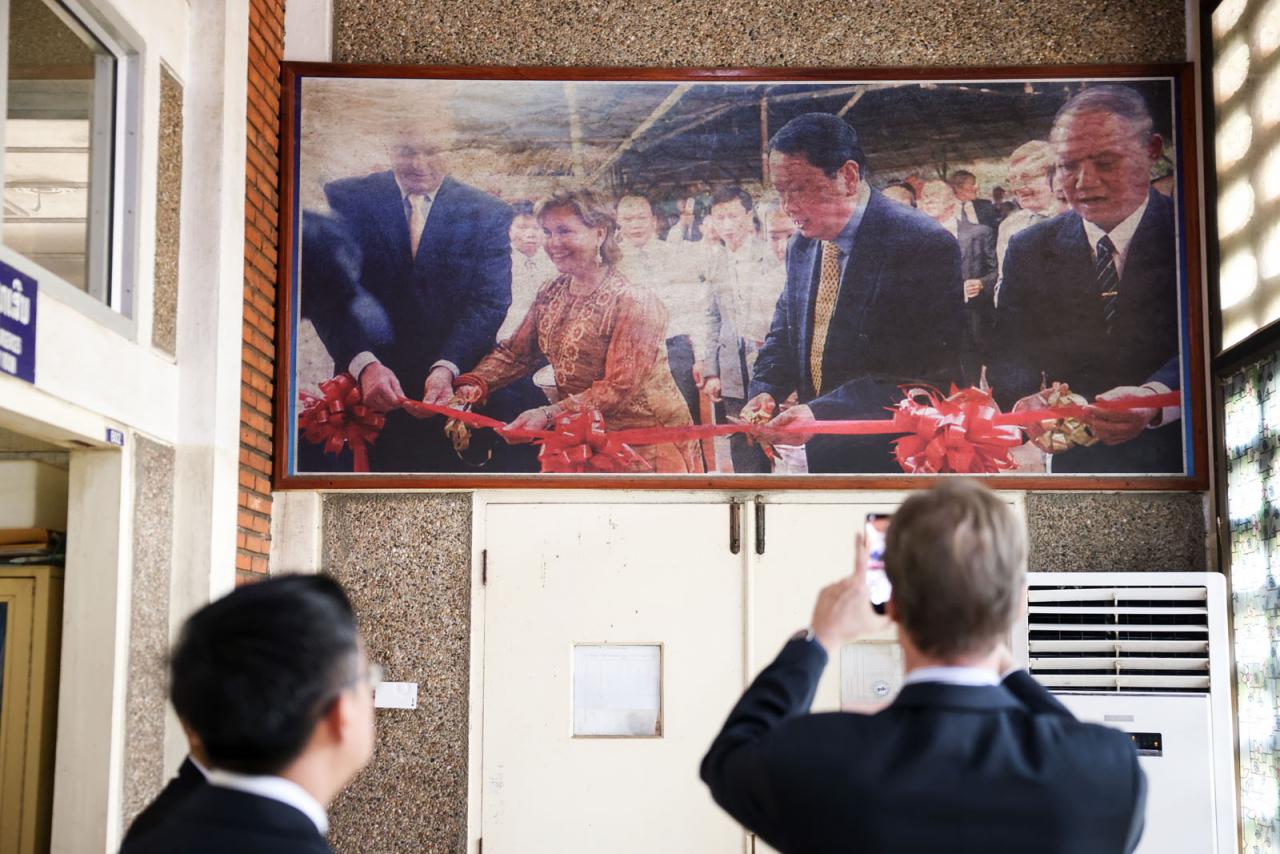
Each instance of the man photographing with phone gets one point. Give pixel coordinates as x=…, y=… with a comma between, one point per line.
x=972, y=755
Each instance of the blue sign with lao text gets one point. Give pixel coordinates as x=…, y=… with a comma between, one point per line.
x=17, y=324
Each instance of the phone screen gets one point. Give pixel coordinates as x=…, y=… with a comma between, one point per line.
x=877, y=581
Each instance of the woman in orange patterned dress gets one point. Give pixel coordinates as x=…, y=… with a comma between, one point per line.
x=602, y=335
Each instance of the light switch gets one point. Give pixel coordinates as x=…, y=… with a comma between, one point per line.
x=396, y=695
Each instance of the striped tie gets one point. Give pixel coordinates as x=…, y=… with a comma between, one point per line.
x=824, y=307
x=1104, y=271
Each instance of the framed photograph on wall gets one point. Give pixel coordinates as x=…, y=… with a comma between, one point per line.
x=741, y=278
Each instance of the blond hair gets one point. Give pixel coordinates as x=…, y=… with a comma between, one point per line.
x=957, y=558
x=592, y=210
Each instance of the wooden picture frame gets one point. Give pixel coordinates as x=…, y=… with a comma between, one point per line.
x=674, y=134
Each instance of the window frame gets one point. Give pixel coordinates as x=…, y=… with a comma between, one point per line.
x=110, y=293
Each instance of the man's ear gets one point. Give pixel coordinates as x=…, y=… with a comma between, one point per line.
x=851, y=174
x=336, y=721
x=1155, y=146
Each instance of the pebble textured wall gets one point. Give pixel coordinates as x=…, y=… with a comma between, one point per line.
x=759, y=32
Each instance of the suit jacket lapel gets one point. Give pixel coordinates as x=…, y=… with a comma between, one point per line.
x=1146, y=254
x=388, y=213
x=1073, y=247
x=805, y=254
x=862, y=273
x=431, y=246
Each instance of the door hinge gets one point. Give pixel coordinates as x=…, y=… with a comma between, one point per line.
x=735, y=526
x=484, y=567
x=760, y=512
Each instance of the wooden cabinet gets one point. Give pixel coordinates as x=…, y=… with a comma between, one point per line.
x=30, y=645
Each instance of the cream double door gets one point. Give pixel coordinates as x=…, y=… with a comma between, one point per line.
x=601, y=620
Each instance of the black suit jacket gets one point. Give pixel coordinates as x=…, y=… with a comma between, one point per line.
x=949, y=768
x=977, y=261
x=444, y=303
x=215, y=820
x=175, y=792
x=988, y=214
x=896, y=321
x=1049, y=319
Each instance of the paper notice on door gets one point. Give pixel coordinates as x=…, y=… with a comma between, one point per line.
x=617, y=690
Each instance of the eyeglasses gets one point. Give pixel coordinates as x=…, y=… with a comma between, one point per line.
x=373, y=676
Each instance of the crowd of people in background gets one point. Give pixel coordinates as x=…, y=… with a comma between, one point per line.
x=654, y=308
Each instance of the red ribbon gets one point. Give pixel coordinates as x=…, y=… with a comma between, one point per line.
x=964, y=432
x=338, y=419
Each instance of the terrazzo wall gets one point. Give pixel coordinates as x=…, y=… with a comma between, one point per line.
x=147, y=691
x=164, y=329
x=406, y=558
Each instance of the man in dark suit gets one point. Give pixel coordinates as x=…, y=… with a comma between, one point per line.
x=977, y=269
x=1090, y=297
x=189, y=779
x=962, y=760
x=435, y=256
x=273, y=682
x=871, y=302
x=971, y=208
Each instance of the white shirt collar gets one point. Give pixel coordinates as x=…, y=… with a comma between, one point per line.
x=275, y=788
x=1121, y=236
x=204, y=772
x=427, y=198
x=952, y=225
x=952, y=676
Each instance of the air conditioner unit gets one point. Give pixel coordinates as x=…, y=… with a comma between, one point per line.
x=1147, y=653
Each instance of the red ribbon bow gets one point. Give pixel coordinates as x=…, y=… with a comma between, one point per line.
x=338, y=419
x=957, y=433
x=578, y=444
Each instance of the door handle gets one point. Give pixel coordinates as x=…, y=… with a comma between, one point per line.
x=760, y=513
x=735, y=526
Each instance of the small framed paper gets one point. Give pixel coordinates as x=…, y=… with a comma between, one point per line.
x=617, y=691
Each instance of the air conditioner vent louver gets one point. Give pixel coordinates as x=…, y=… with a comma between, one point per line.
x=1137, y=639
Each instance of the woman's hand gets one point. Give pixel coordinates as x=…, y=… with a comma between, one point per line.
x=464, y=395
x=538, y=418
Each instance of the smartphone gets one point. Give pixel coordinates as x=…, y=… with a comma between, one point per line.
x=877, y=526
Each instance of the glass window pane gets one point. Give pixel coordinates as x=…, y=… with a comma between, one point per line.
x=58, y=144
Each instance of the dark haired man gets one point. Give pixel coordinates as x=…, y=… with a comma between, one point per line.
x=745, y=280
x=273, y=682
x=972, y=209
x=962, y=760
x=872, y=299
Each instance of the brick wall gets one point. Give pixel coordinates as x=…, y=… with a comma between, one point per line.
x=261, y=212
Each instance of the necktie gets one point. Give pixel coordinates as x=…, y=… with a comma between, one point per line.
x=824, y=306
x=413, y=211
x=1104, y=271
x=968, y=214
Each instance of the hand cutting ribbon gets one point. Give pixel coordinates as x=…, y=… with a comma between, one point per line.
x=964, y=432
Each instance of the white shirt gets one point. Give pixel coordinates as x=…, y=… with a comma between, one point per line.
x=1121, y=236
x=953, y=676
x=275, y=788
x=528, y=275
x=952, y=225
x=669, y=271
